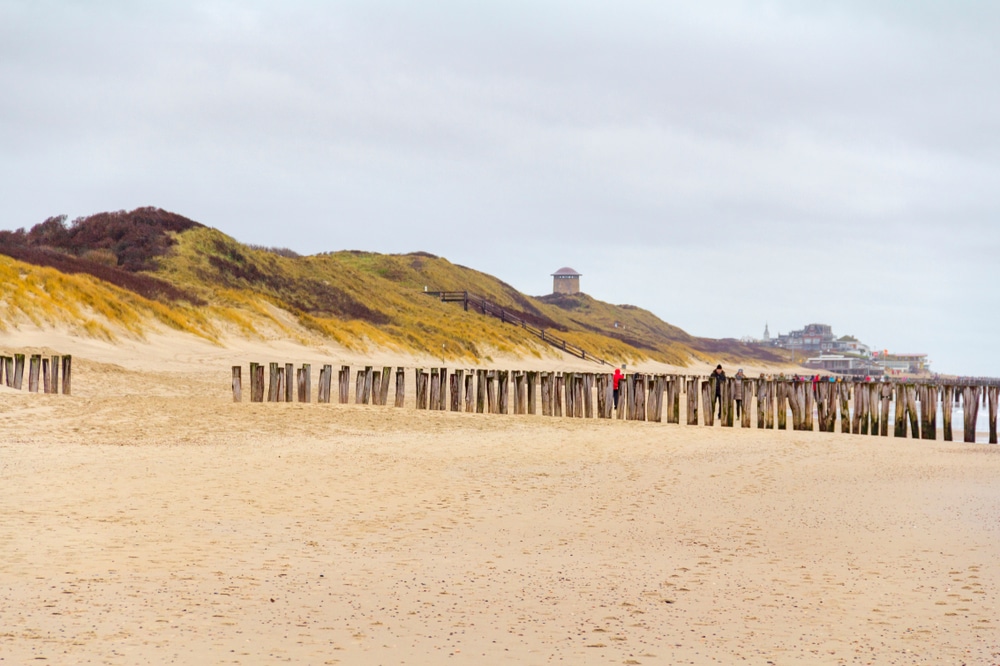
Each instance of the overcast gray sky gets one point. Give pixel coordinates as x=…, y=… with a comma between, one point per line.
x=724, y=164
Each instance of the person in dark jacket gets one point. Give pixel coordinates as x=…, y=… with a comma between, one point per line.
x=720, y=377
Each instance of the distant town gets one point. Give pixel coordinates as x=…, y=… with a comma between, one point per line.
x=846, y=355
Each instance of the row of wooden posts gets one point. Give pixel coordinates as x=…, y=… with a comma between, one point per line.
x=861, y=408
x=43, y=373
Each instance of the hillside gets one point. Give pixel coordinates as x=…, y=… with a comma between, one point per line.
x=122, y=273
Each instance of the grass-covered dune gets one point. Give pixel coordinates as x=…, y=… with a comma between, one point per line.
x=125, y=273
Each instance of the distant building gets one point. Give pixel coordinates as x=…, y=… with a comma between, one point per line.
x=767, y=335
x=812, y=338
x=899, y=364
x=566, y=281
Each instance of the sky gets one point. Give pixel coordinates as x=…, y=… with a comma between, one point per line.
x=725, y=164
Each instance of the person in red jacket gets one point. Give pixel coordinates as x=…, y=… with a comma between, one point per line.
x=617, y=378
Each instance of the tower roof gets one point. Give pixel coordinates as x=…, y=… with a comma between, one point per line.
x=566, y=271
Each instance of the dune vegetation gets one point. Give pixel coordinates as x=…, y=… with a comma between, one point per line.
x=124, y=273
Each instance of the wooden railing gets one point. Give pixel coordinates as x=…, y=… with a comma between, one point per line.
x=484, y=306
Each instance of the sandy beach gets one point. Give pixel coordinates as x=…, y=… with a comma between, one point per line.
x=147, y=519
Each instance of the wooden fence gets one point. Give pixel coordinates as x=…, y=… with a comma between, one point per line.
x=43, y=373
x=855, y=407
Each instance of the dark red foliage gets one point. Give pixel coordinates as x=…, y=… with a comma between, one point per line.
x=136, y=238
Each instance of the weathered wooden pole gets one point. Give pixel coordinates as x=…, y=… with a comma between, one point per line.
x=911, y=410
x=359, y=387
x=344, y=384
x=691, y=395
x=708, y=401
x=457, y=380
x=435, y=390
x=858, y=409
x=885, y=397
x=578, y=407
x=970, y=410
x=810, y=399
x=281, y=384
x=947, y=403
x=470, y=391
x=237, y=384
x=639, y=391
x=899, y=424
x=557, y=394
x=991, y=394
x=256, y=382
x=726, y=406
x=366, y=397
x=545, y=389
x=18, y=371
x=8, y=370
x=400, y=387
x=491, y=392
x=54, y=377
x=46, y=381
x=874, y=409
x=272, y=379
x=420, y=382
x=531, y=377
x=822, y=405
x=781, y=403
x=326, y=384
x=480, y=391
x=33, y=370
x=376, y=387
x=928, y=412
x=287, y=383
x=761, y=402
x=3, y=366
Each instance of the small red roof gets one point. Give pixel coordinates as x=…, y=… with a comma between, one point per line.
x=566, y=271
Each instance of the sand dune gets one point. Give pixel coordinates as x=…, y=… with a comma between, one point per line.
x=149, y=519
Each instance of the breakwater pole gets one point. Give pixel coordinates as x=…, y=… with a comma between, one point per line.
x=43, y=373
x=907, y=409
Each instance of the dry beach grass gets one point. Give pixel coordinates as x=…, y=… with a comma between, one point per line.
x=148, y=519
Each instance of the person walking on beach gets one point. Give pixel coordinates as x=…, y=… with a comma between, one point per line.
x=616, y=380
x=720, y=376
x=738, y=392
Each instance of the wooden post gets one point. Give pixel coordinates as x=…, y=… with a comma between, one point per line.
x=3, y=365
x=18, y=371
x=307, y=380
x=947, y=404
x=326, y=383
x=400, y=387
x=491, y=391
x=807, y=420
x=33, y=369
x=928, y=412
x=435, y=389
x=691, y=400
x=54, y=379
x=885, y=396
x=376, y=396
x=272, y=386
x=970, y=410
x=707, y=400
x=991, y=395
x=256, y=382
x=911, y=409
x=727, y=403
x=503, y=391
x=782, y=404
x=761, y=402
x=454, y=392
x=601, y=381
x=545, y=389
x=359, y=387
x=8, y=362
x=344, y=384
x=237, y=384
x=638, y=390
x=470, y=391
x=366, y=395
x=383, y=390
x=46, y=382
x=480, y=391
x=557, y=394
x=899, y=426
x=532, y=379
x=289, y=386
x=420, y=380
